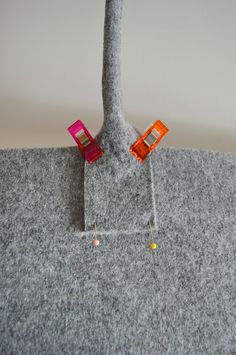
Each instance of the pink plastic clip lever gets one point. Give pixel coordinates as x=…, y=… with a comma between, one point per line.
x=86, y=143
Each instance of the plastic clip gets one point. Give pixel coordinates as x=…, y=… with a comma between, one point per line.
x=146, y=143
x=86, y=143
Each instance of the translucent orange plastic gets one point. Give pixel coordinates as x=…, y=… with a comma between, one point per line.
x=148, y=141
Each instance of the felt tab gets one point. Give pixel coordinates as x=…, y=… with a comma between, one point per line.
x=118, y=191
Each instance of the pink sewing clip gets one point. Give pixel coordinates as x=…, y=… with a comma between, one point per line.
x=86, y=143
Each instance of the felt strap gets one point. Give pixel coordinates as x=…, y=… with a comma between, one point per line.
x=118, y=192
x=111, y=78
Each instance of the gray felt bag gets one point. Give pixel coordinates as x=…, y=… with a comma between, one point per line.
x=60, y=295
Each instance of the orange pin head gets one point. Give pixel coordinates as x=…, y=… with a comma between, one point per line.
x=149, y=140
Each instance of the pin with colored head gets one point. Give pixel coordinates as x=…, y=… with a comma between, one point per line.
x=95, y=241
x=146, y=143
x=153, y=245
x=86, y=143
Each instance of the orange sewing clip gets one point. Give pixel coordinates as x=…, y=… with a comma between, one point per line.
x=148, y=141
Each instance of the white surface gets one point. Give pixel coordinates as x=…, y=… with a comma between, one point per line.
x=178, y=64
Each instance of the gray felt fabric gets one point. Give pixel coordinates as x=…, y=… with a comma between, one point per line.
x=118, y=189
x=111, y=78
x=59, y=295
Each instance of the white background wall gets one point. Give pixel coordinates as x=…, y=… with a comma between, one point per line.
x=178, y=64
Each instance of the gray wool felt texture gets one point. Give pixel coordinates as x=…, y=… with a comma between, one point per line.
x=118, y=191
x=59, y=295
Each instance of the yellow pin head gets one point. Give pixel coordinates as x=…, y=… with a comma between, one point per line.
x=153, y=245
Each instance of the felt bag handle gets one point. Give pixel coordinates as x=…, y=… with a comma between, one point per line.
x=111, y=77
